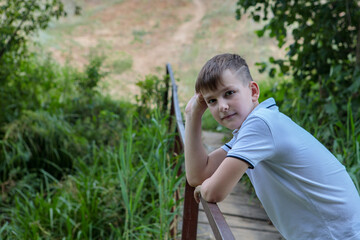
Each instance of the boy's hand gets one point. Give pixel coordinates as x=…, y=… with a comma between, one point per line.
x=196, y=104
x=197, y=193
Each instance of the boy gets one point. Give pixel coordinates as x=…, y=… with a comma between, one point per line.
x=304, y=189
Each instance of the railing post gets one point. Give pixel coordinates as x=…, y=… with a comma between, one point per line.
x=190, y=214
x=191, y=208
x=174, y=223
x=166, y=93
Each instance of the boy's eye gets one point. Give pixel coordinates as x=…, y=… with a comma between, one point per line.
x=228, y=93
x=211, y=101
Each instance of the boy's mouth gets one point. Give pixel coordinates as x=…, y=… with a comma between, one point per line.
x=227, y=116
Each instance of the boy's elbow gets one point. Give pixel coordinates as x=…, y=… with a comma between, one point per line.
x=193, y=181
x=211, y=195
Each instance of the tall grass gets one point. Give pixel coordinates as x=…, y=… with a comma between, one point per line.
x=75, y=164
x=116, y=193
x=38, y=140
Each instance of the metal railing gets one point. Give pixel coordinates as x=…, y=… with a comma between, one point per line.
x=216, y=219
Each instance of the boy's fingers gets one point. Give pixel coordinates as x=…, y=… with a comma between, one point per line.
x=190, y=104
x=196, y=104
x=197, y=193
x=201, y=101
x=197, y=197
x=200, y=98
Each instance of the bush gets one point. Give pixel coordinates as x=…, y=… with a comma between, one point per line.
x=74, y=163
x=122, y=193
x=100, y=119
x=37, y=141
x=51, y=113
x=153, y=94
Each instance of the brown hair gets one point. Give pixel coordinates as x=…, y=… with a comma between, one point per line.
x=209, y=76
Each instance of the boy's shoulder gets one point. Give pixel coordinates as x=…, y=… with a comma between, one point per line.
x=265, y=106
x=267, y=116
x=267, y=110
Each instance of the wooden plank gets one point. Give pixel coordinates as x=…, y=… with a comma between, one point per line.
x=241, y=188
x=242, y=204
x=232, y=207
x=245, y=223
x=244, y=215
x=241, y=229
x=242, y=210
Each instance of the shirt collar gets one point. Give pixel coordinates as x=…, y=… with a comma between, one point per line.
x=268, y=103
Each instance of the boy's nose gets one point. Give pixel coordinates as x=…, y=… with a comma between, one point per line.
x=223, y=106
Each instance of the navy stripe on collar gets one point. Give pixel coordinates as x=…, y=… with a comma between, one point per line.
x=271, y=106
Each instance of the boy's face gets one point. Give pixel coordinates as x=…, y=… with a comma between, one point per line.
x=233, y=101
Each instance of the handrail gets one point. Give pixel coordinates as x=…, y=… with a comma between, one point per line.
x=217, y=221
x=175, y=106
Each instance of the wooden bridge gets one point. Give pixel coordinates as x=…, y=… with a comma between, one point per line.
x=239, y=216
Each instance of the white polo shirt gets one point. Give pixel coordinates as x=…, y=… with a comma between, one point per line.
x=304, y=189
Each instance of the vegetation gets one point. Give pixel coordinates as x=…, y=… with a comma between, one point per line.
x=74, y=163
x=83, y=166
x=21, y=19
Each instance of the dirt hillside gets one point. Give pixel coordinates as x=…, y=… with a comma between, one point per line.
x=138, y=37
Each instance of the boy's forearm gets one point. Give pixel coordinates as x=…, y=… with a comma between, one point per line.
x=221, y=183
x=195, y=154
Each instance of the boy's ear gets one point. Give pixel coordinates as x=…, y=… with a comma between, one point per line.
x=255, y=91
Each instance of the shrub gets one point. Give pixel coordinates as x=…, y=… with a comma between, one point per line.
x=100, y=119
x=39, y=140
x=153, y=92
x=122, y=193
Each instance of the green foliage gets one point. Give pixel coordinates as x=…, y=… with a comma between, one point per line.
x=22, y=80
x=20, y=19
x=75, y=164
x=100, y=120
x=153, y=92
x=323, y=60
x=323, y=50
x=124, y=193
x=88, y=82
x=48, y=119
x=34, y=82
x=37, y=141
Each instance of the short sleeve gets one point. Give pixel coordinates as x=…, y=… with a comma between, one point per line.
x=227, y=146
x=254, y=142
